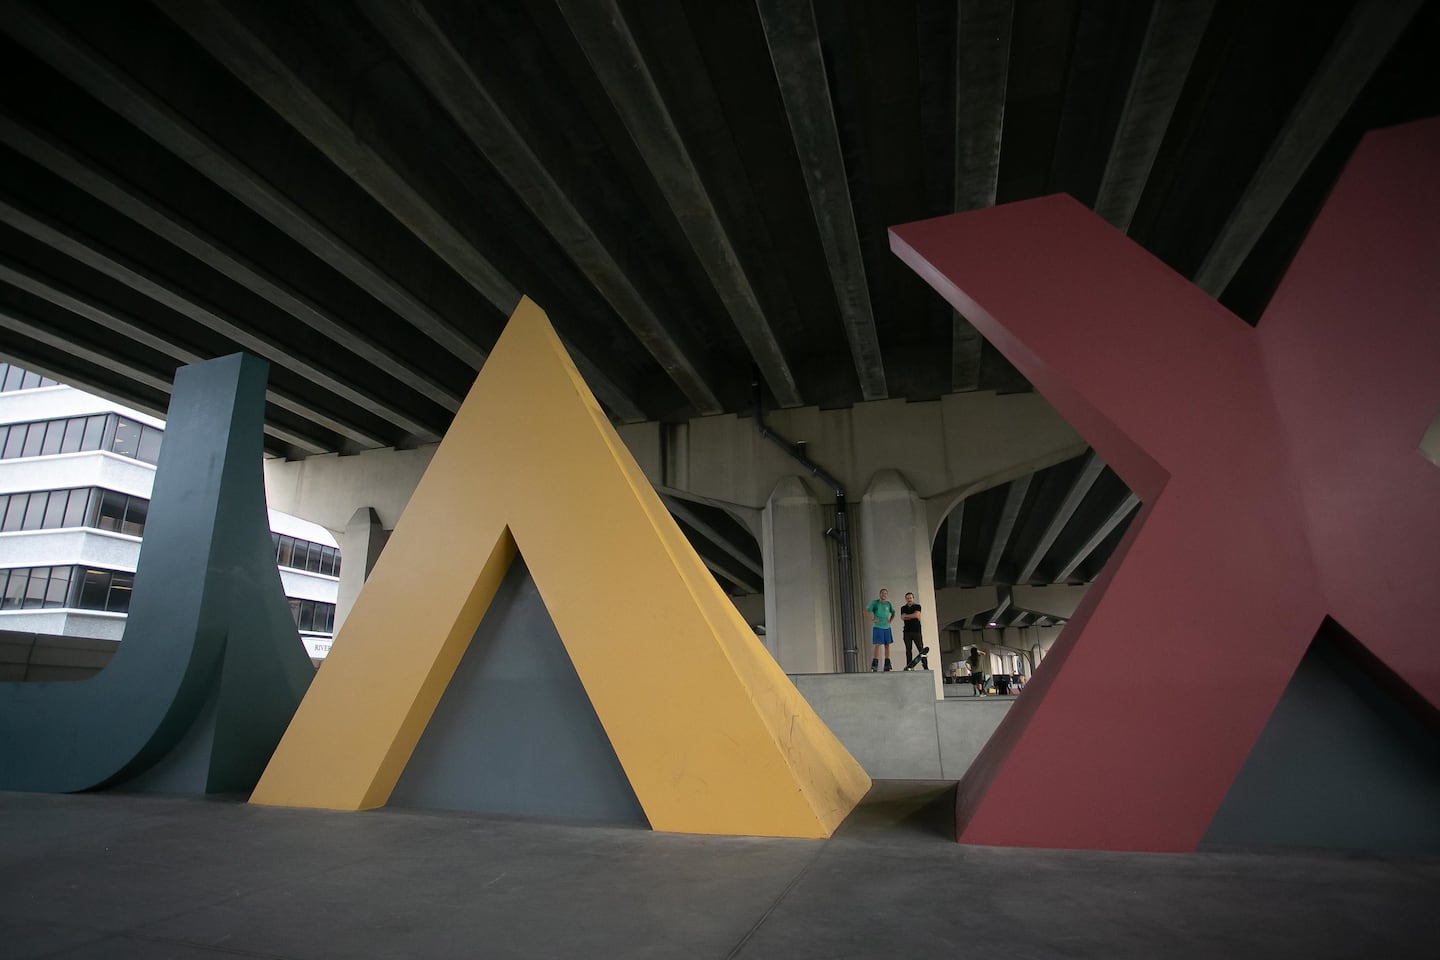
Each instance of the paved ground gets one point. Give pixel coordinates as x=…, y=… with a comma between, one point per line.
x=117, y=876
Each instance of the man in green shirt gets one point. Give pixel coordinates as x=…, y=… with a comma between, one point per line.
x=881, y=611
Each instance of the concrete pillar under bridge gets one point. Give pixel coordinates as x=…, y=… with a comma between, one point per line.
x=939, y=451
x=360, y=547
x=895, y=554
x=800, y=629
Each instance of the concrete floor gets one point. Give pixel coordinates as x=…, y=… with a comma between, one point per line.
x=115, y=876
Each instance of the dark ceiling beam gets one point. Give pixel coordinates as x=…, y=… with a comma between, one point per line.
x=216, y=28
x=743, y=581
x=1172, y=36
x=113, y=87
x=1357, y=51
x=600, y=29
x=794, y=44
x=693, y=519
x=162, y=292
x=211, y=24
x=1079, y=487
x=1006, y=598
x=424, y=47
x=982, y=67
x=153, y=215
x=1014, y=500
x=70, y=347
x=87, y=309
x=1104, y=530
x=953, y=528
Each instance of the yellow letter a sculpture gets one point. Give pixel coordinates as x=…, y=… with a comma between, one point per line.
x=712, y=736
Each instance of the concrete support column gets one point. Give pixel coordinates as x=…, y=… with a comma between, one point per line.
x=895, y=554
x=799, y=615
x=360, y=547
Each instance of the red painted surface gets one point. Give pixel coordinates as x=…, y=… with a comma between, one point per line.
x=1260, y=456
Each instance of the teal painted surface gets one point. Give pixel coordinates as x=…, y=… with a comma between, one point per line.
x=211, y=667
x=515, y=731
x=1350, y=760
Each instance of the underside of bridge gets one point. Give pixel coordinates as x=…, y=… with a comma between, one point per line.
x=696, y=192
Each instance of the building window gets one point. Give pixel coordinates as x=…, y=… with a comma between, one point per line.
x=103, y=590
x=30, y=588
x=82, y=507
x=112, y=432
x=313, y=616
x=300, y=554
x=13, y=378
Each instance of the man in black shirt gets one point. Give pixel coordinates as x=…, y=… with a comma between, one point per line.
x=910, y=614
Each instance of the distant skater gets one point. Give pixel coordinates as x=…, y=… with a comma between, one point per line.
x=881, y=611
x=910, y=613
x=977, y=676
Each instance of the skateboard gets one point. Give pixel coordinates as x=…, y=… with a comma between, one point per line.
x=921, y=658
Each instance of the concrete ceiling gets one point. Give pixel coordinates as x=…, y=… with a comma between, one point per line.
x=696, y=191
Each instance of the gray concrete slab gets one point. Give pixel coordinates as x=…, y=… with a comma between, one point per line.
x=964, y=725
x=896, y=728
x=118, y=876
x=885, y=720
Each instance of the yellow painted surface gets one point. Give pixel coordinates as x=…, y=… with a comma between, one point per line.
x=713, y=736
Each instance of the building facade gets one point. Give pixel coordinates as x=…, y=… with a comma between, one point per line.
x=76, y=473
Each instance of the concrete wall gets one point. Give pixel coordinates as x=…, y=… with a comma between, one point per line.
x=947, y=449
x=943, y=447
x=893, y=725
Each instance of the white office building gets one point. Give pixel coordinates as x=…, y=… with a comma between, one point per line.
x=75, y=478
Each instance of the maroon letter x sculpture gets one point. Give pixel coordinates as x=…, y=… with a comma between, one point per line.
x=1280, y=474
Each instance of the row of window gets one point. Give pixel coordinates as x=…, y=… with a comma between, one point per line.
x=313, y=616
x=108, y=510
x=101, y=431
x=80, y=507
x=303, y=555
x=12, y=378
x=81, y=588
x=87, y=588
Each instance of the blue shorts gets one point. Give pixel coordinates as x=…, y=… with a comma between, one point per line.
x=879, y=635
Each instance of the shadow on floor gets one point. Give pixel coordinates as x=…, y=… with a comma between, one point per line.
x=903, y=809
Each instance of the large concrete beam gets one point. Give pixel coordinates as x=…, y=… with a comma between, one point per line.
x=221, y=32
x=215, y=27
x=1171, y=38
x=87, y=309
x=110, y=85
x=188, y=236
x=161, y=291
x=982, y=69
x=1362, y=44
x=1081, y=486
x=1009, y=513
x=692, y=519
x=794, y=43
x=425, y=48
x=71, y=349
x=954, y=525
x=609, y=46
x=1107, y=526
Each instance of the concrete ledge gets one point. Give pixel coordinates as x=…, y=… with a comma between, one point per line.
x=893, y=725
